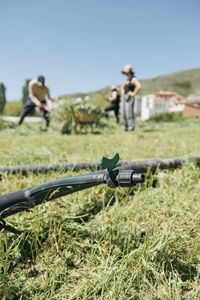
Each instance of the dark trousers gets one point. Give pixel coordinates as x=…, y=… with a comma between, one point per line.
x=29, y=107
x=114, y=108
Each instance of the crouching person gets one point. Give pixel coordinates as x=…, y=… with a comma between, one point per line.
x=114, y=103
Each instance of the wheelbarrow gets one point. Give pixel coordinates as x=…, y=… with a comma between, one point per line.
x=84, y=119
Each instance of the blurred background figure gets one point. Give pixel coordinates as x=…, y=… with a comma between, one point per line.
x=115, y=102
x=128, y=91
x=38, y=92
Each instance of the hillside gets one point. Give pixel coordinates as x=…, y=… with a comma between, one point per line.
x=184, y=82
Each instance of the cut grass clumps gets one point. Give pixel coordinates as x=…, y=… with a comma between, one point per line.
x=68, y=108
x=70, y=114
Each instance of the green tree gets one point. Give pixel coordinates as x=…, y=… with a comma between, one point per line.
x=25, y=91
x=2, y=97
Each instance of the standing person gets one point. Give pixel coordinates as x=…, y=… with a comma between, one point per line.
x=128, y=90
x=38, y=91
x=115, y=101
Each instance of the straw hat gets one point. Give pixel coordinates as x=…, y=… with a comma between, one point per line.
x=114, y=87
x=127, y=69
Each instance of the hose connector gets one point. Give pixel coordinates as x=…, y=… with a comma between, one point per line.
x=127, y=178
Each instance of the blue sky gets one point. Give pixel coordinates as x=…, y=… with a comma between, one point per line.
x=82, y=45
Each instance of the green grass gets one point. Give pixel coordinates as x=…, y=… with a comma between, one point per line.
x=6, y=124
x=14, y=108
x=126, y=243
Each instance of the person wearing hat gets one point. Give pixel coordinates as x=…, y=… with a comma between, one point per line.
x=128, y=91
x=38, y=92
x=115, y=101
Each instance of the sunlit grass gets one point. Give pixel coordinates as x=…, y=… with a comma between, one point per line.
x=126, y=243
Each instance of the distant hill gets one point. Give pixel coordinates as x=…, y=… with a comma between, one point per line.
x=184, y=82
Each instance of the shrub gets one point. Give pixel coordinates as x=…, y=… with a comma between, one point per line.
x=167, y=117
x=183, y=84
x=25, y=93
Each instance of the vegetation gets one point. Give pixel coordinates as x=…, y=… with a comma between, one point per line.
x=68, y=113
x=184, y=82
x=68, y=107
x=13, y=108
x=87, y=106
x=2, y=97
x=98, y=97
x=6, y=125
x=100, y=243
x=25, y=92
x=168, y=117
x=60, y=113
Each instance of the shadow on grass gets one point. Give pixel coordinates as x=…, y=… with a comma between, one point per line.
x=87, y=132
x=85, y=215
x=151, y=130
x=175, y=264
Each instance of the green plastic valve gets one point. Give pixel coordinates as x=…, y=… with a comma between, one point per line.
x=110, y=164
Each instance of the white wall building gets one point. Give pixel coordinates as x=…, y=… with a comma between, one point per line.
x=193, y=97
x=147, y=106
x=176, y=108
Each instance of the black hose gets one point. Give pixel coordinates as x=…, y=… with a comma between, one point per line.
x=24, y=169
x=25, y=199
x=138, y=165
x=126, y=176
x=153, y=164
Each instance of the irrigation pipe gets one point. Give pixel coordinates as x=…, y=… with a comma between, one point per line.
x=25, y=199
x=137, y=165
x=114, y=173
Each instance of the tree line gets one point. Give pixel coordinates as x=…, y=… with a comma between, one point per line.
x=2, y=97
x=3, y=94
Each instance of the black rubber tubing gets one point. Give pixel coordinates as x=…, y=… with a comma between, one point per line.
x=25, y=199
x=30, y=197
x=139, y=165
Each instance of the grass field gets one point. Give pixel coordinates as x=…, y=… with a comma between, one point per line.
x=126, y=243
